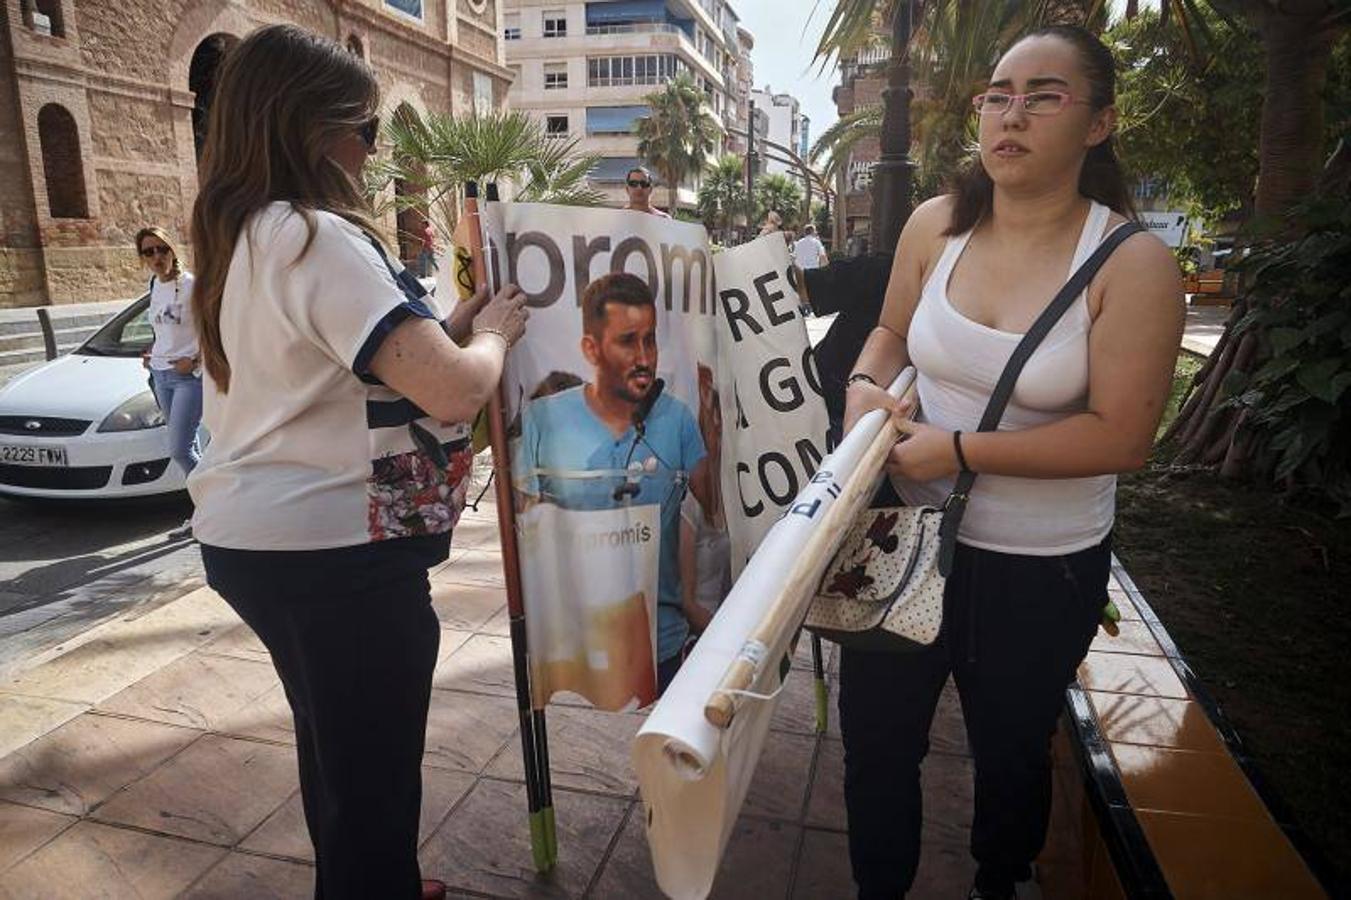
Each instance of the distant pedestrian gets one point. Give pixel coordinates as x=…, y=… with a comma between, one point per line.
x=340, y=452
x=773, y=222
x=173, y=359
x=809, y=252
x=427, y=255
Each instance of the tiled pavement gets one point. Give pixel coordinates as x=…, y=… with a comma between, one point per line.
x=153, y=758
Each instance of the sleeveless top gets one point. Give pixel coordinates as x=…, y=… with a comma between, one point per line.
x=957, y=362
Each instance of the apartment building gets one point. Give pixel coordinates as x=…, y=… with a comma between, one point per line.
x=783, y=124
x=584, y=68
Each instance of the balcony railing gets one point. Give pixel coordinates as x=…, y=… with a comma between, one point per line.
x=634, y=28
x=627, y=81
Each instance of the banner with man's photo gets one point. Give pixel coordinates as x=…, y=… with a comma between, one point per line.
x=617, y=399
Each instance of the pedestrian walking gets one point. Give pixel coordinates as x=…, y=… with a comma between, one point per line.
x=427, y=255
x=173, y=359
x=808, y=251
x=330, y=484
x=972, y=271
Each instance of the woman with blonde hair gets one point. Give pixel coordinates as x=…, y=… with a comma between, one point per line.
x=338, y=407
x=173, y=358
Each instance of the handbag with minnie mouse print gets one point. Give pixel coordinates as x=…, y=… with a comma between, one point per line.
x=884, y=588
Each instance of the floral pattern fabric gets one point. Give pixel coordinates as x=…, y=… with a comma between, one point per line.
x=409, y=495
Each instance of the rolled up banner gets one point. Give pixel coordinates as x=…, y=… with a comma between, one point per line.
x=693, y=774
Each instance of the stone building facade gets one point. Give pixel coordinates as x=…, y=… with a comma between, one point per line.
x=862, y=79
x=102, y=103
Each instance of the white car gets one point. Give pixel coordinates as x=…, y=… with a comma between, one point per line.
x=86, y=424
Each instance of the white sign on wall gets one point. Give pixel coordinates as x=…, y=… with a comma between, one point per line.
x=1169, y=225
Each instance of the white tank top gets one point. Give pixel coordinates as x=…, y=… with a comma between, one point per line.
x=958, y=361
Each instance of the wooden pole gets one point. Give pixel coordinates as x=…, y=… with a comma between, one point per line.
x=511, y=570
x=787, y=610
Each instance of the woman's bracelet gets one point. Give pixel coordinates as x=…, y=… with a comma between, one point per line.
x=860, y=376
x=484, y=329
x=961, y=457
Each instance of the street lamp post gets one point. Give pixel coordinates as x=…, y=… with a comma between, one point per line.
x=750, y=173
x=894, y=172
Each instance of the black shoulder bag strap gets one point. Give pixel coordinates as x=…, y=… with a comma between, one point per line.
x=955, y=507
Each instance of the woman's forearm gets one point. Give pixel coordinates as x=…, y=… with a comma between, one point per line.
x=883, y=357
x=1078, y=446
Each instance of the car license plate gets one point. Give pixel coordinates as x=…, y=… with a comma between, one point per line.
x=30, y=455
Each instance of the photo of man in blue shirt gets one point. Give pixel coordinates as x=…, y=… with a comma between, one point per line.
x=619, y=439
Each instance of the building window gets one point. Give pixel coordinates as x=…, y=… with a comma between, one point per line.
x=45, y=17
x=483, y=94
x=511, y=26
x=412, y=8
x=62, y=167
x=614, y=71
x=555, y=23
x=555, y=76
x=613, y=119
x=556, y=126
x=354, y=46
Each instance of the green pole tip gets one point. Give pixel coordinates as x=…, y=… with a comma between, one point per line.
x=551, y=834
x=539, y=842
x=822, y=706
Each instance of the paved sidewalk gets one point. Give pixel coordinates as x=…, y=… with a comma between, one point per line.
x=153, y=757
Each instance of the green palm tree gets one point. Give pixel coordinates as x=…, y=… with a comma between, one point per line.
x=779, y=193
x=836, y=143
x=678, y=134
x=722, y=195
x=434, y=155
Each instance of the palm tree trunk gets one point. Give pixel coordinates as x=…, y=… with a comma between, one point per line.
x=1291, y=148
x=1290, y=155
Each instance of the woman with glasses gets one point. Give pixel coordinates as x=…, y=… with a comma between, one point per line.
x=173, y=359
x=338, y=465
x=972, y=271
x=638, y=186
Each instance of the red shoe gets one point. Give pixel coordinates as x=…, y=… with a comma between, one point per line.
x=433, y=890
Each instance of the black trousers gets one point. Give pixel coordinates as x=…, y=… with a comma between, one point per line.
x=354, y=640
x=1015, y=629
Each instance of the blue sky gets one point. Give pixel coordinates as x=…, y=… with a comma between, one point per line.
x=786, y=32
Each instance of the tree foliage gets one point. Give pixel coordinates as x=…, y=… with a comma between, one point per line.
x=434, y=155
x=678, y=134
x=779, y=193
x=722, y=195
x=1295, y=400
x=1192, y=123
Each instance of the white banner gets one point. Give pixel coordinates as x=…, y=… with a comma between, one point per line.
x=611, y=409
x=775, y=420
x=592, y=627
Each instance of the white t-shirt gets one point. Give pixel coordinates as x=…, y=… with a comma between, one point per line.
x=171, y=318
x=808, y=252
x=309, y=451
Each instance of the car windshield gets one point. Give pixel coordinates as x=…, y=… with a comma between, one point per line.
x=127, y=334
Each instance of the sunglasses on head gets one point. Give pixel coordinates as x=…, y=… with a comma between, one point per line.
x=158, y=250
x=370, y=131
x=635, y=183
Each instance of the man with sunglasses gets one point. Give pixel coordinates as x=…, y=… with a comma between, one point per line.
x=638, y=185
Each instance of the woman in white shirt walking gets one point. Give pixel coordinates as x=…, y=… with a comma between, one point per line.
x=173, y=359
x=972, y=271
x=338, y=407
